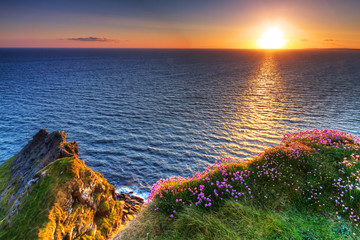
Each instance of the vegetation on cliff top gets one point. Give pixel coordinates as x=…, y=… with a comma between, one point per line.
x=4, y=179
x=42, y=213
x=35, y=207
x=306, y=188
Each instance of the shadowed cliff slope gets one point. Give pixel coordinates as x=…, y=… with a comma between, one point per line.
x=46, y=192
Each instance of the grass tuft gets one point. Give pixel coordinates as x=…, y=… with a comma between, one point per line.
x=234, y=220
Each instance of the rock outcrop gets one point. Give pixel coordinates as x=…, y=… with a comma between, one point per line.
x=51, y=194
x=42, y=150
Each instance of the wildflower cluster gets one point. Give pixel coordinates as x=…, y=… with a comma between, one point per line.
x=347, y=199
x=315, y=170
x=325, y=137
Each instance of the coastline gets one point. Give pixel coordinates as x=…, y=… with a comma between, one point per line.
x=48, y=193
x=288, y=191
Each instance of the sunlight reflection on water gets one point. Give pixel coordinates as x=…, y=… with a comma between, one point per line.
x=139, y=117
x=258, y=114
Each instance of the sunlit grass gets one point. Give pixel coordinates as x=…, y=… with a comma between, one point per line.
x=233, y=220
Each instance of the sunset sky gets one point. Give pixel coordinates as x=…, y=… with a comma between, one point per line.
x=178, y=24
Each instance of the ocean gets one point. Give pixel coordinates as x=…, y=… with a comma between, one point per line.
x=140, y=115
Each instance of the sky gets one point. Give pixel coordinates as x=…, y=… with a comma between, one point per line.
x=177, y=24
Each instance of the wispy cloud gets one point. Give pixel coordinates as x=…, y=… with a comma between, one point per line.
x=329, y=40
x=91, y=39
x=304, y=40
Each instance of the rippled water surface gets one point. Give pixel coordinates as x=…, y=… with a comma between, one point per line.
x=141, y=115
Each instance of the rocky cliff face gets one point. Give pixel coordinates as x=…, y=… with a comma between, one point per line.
x=48, y=193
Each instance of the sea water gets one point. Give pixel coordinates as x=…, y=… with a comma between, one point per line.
x=140, y=115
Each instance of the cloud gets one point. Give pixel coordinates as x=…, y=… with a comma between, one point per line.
x=329, y=40
x=91, y=39
x=304, y=40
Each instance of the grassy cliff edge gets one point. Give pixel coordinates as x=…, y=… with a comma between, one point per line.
x=44, y=214
x=46, y=192
x=308, y=187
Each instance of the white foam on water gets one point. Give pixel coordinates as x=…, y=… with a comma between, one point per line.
x=125, y=189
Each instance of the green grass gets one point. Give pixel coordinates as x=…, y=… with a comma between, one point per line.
x=43, y=212
x=34, y=208
x=234, y=220
x=5, y=173
x=34, y=212
x=4, y=180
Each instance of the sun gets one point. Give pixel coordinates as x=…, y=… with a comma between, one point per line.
x=272, y=39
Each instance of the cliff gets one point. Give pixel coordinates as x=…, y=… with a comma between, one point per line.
x=46, y=192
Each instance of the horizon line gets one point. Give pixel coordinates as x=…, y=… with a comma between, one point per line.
x=257, y=49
